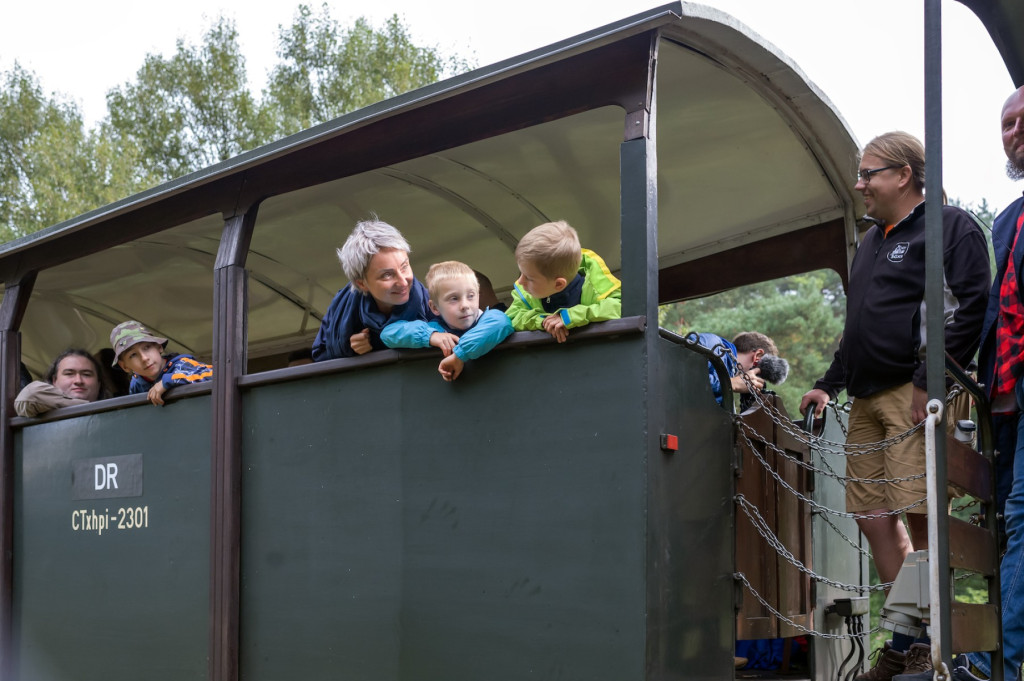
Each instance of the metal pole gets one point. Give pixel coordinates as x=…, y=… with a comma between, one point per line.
x=938, y=521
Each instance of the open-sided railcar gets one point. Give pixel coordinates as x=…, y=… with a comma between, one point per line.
x=359, y=518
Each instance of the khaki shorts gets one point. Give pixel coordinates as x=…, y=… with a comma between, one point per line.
x=879, y=417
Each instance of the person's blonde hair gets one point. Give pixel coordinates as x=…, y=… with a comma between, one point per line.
x=900, y=148
x=553, y=248
x=446, y=271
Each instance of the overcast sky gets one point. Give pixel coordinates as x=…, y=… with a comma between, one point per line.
x=866, y=55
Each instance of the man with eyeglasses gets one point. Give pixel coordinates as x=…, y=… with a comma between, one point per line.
x=880, y=360
x=1001, y=362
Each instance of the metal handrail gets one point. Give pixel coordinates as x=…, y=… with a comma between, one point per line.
x=724, y=378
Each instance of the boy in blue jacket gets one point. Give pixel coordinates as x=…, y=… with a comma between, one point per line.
x=740, y=356
x=463, y=331
x=139, y=352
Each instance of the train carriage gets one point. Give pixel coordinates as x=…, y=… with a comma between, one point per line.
x=359, y=518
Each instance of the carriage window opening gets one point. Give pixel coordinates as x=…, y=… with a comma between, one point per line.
x=803, y=314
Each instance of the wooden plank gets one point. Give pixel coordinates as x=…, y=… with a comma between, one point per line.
x=972, y=548
x=779, y=582
x=12, y=311
x=968, y=469
x=776, y=257
x=230, y=325
x=754, y=557
x=805, y=620
x=975, y=627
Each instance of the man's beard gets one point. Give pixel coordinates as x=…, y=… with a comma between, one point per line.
x=1014, y=169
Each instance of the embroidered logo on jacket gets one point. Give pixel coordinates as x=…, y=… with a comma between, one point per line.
x=898, y=251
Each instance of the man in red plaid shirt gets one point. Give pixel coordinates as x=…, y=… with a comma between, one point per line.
x=1001, y=363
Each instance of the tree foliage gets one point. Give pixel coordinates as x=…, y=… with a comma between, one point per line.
x=191, y=110
x=51, y=168
x=803, y=314
x=327, y=70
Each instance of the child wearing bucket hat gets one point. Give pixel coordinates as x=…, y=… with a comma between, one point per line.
x=139, y=352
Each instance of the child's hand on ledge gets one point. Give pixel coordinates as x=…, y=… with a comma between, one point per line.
x=445, y=341
x=556, y=328
x=450, y=367
x=156, y=393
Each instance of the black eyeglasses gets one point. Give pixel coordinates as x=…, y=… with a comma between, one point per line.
x=866, y=173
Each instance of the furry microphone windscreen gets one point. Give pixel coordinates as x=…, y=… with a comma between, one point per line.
x=774, y=369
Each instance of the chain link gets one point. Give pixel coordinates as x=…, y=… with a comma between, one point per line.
x=842, y=479
x=763, y=529
x=855, y=545
x=820, y=443
x=963, y=507
x=845, y=408
x=815, y=505
x=837, y=448
x=829, y=471
x=740, y=577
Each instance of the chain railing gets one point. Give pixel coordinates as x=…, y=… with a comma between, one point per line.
x=810, y=502
x=755, y=442
x=742, y=578
x=764, y=529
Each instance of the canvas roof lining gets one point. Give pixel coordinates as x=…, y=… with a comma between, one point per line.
x=755, y=176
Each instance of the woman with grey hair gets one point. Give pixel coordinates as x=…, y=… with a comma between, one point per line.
x=381, y=290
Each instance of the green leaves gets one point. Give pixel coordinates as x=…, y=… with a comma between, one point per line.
x=45, y=157
x=191, y=110
x=327, y=71
x=803, y=314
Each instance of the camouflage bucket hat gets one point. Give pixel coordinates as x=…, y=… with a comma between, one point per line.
x=127, y=334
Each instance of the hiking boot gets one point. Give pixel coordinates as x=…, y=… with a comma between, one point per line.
x=890, y=663
x=919, y=659
x=918, y=665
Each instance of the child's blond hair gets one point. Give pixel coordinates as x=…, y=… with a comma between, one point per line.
x=553, y=248
x=446, y=271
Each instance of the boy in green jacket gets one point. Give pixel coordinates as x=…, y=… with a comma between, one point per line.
x=561, y=286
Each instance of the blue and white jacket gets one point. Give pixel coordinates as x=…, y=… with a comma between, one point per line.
x=489, y=329
x=727, y=352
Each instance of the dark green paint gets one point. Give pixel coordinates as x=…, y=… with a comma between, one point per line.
x=519, y=523
x=130, y=604
x=398, y=527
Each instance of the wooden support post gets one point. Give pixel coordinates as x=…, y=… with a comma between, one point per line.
x=230, y=326
x=12, y=311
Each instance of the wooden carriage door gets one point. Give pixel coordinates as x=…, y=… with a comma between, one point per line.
x=776, y=579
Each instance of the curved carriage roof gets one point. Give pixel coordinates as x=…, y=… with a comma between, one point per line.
x=752, y=160
x=1003, y=19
